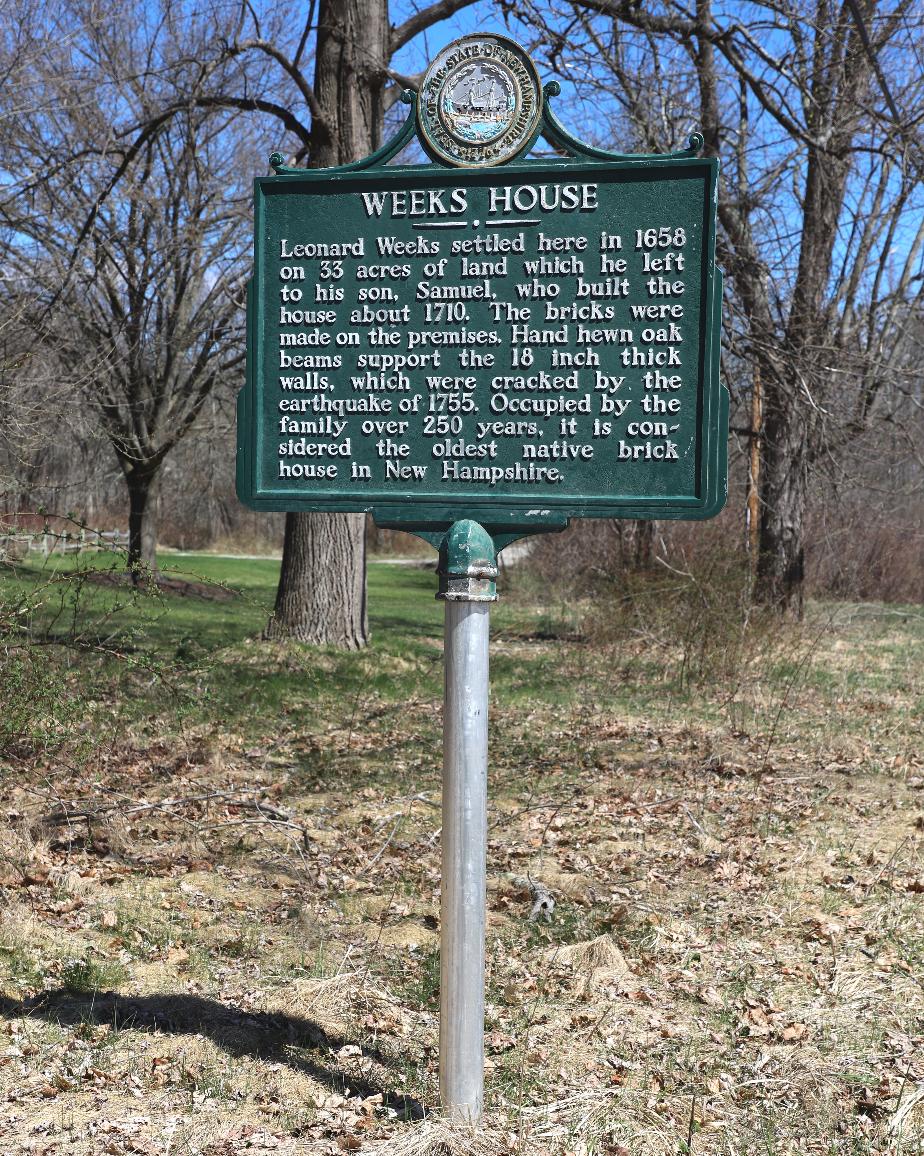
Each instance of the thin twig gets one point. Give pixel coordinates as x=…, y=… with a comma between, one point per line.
x=65, y=813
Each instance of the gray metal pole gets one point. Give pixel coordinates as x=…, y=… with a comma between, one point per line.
x=462, y=911
x=467, y=573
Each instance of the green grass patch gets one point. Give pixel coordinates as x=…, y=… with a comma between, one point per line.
x=88, y=659
x=87, y=976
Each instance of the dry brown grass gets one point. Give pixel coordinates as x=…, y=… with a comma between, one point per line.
x=734, y=967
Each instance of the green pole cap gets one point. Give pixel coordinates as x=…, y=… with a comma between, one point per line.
x=468, y=565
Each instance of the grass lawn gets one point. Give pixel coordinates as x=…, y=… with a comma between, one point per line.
x=219, y=876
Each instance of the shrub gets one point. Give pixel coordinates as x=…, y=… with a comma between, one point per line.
x=681, y=594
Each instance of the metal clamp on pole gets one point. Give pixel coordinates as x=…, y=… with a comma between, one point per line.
x=467, y=568
x=467, y=573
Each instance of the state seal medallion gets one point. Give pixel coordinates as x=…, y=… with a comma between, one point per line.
x=480, y=103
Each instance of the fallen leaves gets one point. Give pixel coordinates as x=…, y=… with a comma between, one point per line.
x=496, y=1042
x=761, y=947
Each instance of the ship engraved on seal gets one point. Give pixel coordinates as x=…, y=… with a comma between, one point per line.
x=479, y=102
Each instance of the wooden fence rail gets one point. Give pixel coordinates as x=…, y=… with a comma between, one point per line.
x=15, y=547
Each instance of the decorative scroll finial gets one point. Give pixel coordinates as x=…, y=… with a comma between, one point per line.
x=381, y=156
x=556, y=133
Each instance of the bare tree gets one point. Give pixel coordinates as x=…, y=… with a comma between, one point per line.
x=134, y=248
x=322, y=583
x=331, y=117
x=815, y=108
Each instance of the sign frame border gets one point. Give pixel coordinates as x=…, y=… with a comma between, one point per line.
x=512, y=516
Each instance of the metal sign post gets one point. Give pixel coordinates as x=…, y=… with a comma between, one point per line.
x=467, y=572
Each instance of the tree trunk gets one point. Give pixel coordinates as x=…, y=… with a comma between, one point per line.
x=142, y=523
x=783, y=494
x=322, y=585
x=792, y=430
x=644, y=544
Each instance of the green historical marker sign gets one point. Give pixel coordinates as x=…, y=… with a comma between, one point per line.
x=515, y=342
x=490, y=340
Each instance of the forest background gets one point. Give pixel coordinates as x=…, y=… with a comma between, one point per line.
x=129, y=153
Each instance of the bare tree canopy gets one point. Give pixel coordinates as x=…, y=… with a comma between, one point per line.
x=129, y=145
x=131, y=249
x=816, y=111
x=330, y=117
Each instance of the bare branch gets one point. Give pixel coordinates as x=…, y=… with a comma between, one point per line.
x=401, y=34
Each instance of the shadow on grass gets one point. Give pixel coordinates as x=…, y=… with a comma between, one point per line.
x=430, y=628
x=274, y=1036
